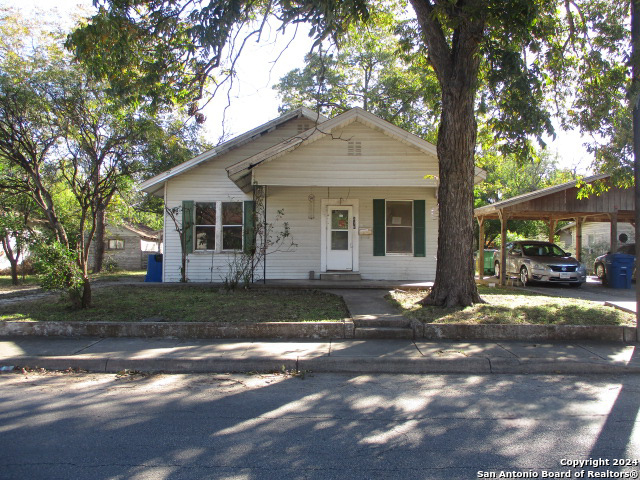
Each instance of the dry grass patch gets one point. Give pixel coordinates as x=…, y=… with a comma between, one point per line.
x=133, y=303
x=509, y=306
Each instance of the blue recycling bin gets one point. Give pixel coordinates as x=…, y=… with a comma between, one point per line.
x=154, y=268
x=620, y=270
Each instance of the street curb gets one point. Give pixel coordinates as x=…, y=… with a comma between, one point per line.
x=283, y=330
x=362, y=365
x=550, y=333
x=317, y=330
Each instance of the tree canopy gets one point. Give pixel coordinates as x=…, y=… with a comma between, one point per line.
x=518, y=63
x=370, y=68
x=67, y=144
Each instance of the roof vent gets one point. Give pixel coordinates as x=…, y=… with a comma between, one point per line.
x=354, y=149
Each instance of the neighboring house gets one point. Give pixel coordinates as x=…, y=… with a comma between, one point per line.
x=358, y=194
x=128, y=246
x=595, y=235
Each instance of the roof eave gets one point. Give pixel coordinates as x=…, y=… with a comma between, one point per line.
x=494, y=207
x=160, y=179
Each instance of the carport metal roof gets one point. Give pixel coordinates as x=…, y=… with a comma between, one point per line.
x=560, y=202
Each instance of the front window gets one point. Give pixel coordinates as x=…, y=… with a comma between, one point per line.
x=218, y=226
x=399, y=226
x=115, y=244
x=231, y=225
x=206, y=226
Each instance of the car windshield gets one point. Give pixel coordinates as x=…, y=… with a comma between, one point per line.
x=542, y=250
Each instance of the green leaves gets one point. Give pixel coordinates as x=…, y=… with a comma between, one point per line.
x=162, y=53
x=369, y=69
x=58, y=269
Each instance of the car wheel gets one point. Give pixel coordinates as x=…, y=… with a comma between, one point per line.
x=496, y=269
x=524, y=276
x=575, y=285
x=600, y=271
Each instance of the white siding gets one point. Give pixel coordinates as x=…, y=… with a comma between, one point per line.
x=307, y=233
x=325, y=159
x=596, y=234
x=206, y=183
x=384, y=161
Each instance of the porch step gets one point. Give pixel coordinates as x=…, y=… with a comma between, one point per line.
x=383, y=333
x=340, y=276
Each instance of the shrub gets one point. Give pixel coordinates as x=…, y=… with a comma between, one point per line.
x=58, y=269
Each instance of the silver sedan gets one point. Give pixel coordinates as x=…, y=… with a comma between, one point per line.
x=537, y=261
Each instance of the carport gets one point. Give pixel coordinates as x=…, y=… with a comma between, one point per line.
x=556, y=203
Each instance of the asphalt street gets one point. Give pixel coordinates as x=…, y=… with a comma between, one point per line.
x=280, y=426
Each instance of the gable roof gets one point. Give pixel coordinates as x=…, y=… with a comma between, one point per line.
x=154, y=184
x=240, y=172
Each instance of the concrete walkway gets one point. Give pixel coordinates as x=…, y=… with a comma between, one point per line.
x=369, y=305
x=349, y=356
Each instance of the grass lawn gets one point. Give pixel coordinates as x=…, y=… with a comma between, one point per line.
x=5, y=281
x=510, y=306
x=133, y=303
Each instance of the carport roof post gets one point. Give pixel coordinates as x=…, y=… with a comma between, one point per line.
x=480, y=262
x=503, y=244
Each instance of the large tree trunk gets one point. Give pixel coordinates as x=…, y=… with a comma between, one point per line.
x=454, y=282
x=99, y=240
x=456, y=61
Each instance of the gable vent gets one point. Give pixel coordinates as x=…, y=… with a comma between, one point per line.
x=354, y=149
x=303, y=127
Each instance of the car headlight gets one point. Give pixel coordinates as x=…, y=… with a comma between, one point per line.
x=582, y=268
x=538, y=266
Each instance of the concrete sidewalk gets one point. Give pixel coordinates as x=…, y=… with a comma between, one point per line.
x=348, y=356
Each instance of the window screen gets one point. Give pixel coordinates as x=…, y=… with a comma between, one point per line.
x=399, y=226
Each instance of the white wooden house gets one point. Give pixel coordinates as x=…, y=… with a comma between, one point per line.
x=595, y=235
x=358, y=194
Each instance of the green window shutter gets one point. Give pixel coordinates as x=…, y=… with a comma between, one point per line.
x=419, y=228
x=249, y=227
x=378, y=227
x=187, y=224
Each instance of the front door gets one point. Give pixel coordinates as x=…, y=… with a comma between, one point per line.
x=340, y=238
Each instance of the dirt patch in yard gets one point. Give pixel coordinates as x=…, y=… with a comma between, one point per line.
x=515, y=307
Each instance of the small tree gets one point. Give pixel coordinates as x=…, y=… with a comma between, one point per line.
x=16, y=213
x=173, y=214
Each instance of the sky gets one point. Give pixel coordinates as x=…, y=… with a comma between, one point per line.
x=253, y=100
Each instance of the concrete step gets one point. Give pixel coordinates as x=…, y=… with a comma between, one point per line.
x=383, y=333
x=340, y=276
x=382, y=323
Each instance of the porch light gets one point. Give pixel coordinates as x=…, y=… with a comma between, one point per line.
x=312, y=200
